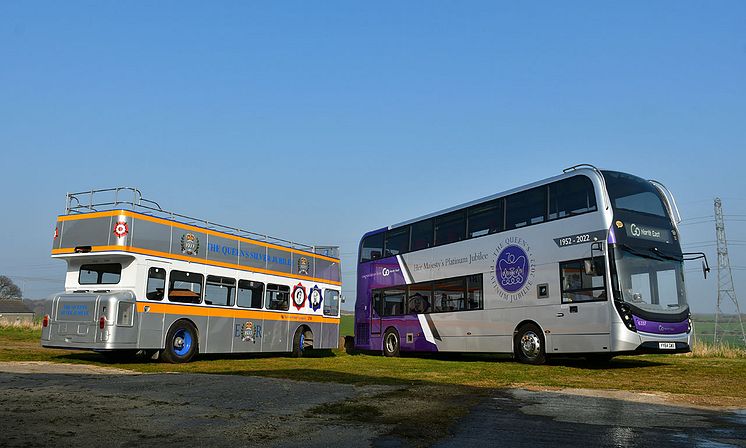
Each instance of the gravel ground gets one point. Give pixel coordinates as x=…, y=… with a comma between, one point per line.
x=44, y=404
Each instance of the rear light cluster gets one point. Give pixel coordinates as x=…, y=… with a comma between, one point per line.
x=626, y=314
x=45, y=321
x=102, y=322
x=689, y=324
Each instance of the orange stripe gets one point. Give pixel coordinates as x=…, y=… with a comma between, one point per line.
x=192, y=228
x=155, y=253
x=196, y=310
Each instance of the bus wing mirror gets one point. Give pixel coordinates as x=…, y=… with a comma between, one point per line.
x=705, y=269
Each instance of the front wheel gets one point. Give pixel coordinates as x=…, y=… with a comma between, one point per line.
x=529, y=345
x=181, y=343
x=391, y=343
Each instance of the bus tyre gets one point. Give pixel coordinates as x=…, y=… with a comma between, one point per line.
x=181, y=343
x=302, y=342
x=391, y=343
x=529, y=345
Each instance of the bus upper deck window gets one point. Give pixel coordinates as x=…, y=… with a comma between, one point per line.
x=371, y=247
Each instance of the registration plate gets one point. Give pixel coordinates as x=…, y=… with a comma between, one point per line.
x=667, y=345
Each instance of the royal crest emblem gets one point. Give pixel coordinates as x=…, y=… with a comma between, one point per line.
x=315, y=298
x=189, y=244
x=121, y=229
x=249, y=332
x=513, y=269
x=303, y=266
x=299, y=296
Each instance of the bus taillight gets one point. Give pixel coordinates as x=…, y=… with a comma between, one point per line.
x=45, y=321
x=101, y=322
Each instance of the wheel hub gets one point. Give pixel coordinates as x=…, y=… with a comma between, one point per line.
x=530, y=344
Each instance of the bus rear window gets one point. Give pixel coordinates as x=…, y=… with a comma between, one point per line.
x=100, y=274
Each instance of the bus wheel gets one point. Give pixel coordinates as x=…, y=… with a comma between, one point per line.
x=302, y=342
x=391, y=343
x=529, y=345
x=181, y=343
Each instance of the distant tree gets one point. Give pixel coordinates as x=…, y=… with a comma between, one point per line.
x=8, y=289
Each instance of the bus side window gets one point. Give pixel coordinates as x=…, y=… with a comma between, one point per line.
x=156, y=284
x=185, y=287
x=250, y=294
x=371, y=247
x=278, y=297
x=526, y=208
x=219, y=290
x=378, y=303
x=570, y=197
x=331, y=302
x=580, y=286
x=485, y=219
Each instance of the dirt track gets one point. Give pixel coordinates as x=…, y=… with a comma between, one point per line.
x=43, y=404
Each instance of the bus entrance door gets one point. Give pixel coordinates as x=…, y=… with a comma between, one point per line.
x=375, y=314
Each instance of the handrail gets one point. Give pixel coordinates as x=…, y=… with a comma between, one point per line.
x=76, y=203
x=603, y=179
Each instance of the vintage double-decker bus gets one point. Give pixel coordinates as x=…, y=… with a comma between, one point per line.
x=585, y=263
x=141, y=279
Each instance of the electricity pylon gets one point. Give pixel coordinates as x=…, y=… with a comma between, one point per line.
x=725, y=324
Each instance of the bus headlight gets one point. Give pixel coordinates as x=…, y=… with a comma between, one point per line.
x=626, y=314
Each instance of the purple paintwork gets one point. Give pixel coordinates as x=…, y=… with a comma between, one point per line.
x=612, y=236
x=647, y=326
x=382, y=273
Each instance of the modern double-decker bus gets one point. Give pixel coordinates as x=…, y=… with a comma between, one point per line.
x=585, y=263
x=144, y=280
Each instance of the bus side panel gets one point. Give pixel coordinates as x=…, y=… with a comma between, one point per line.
x=276, y=336
x=329, y=335
x=219, y=335
x=152, y=334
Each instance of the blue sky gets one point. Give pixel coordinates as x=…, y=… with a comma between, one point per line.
x=318, y=121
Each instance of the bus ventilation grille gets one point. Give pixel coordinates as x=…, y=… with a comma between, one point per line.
x=362, y=334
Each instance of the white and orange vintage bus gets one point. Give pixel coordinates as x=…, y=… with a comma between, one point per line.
x=144, y=280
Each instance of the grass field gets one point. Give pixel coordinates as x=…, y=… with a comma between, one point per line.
x=712, y=379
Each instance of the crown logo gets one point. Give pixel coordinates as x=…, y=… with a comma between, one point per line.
x=512, y=270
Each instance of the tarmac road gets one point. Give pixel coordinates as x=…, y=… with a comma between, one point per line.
x=43, y=404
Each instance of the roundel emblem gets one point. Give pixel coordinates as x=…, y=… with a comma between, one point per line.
x=299, y=296
x=314, y=298
x=512, y=268
x=121, y=229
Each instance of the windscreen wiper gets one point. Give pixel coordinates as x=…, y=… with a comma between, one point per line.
x=650, y=255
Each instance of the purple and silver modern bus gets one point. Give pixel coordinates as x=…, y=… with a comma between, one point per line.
x=585, y=263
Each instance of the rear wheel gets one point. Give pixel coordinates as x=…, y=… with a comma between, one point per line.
x=181, y=343
x=529, y=345
x=302, y=342
x=391, y=343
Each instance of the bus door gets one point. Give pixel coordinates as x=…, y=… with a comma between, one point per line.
x=582, y=320
x=375, y=313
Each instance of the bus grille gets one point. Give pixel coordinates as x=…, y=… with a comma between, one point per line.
x=362, y=334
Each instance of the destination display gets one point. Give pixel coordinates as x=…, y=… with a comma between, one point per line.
x=646, y=232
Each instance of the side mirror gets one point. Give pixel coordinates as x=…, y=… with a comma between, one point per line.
x=705, y=269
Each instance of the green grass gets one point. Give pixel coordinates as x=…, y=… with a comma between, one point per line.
x=713, y=379
x=347, y=326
